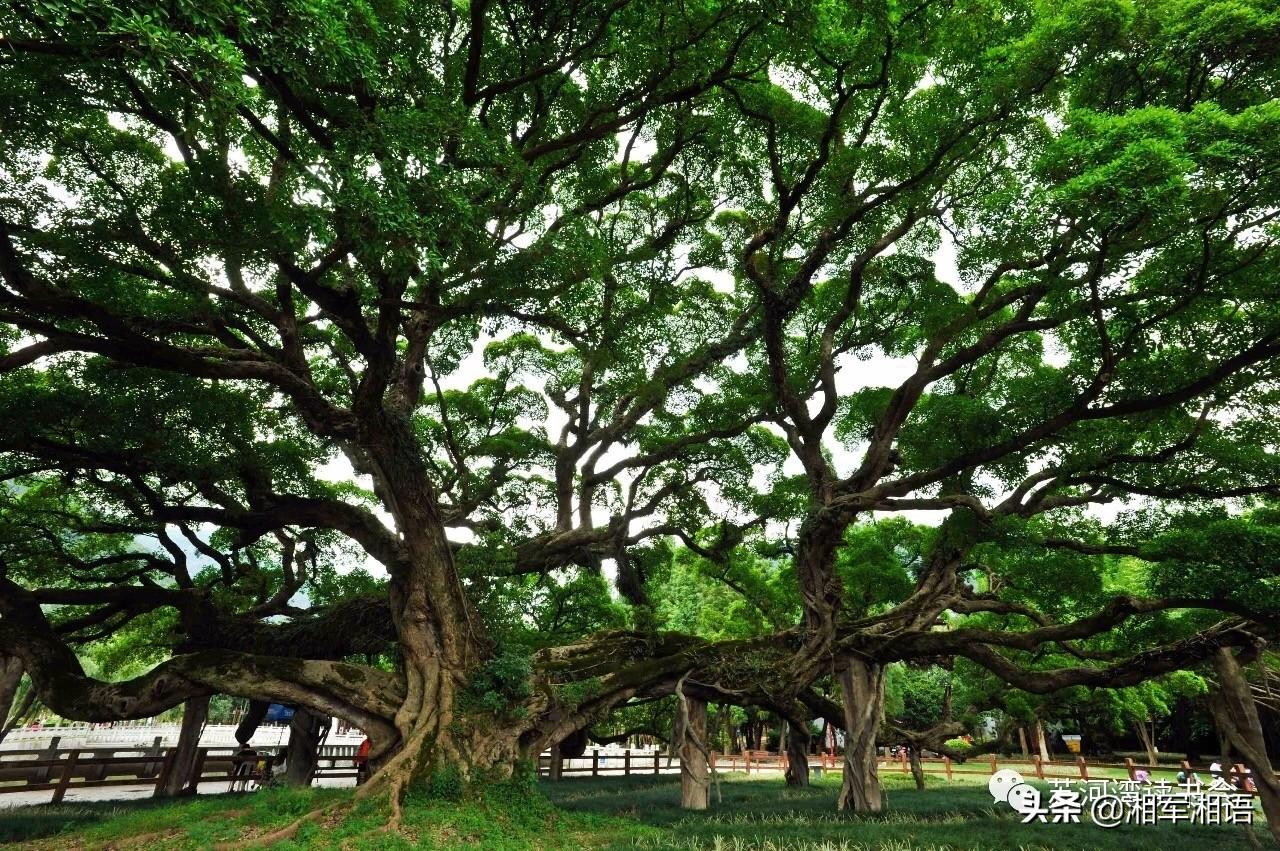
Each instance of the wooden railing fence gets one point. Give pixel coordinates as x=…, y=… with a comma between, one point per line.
x=603, y=765
x=61, y=770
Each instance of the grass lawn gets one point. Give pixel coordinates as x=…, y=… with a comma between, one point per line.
x=608, y=813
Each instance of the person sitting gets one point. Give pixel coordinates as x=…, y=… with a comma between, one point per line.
x=243, y=768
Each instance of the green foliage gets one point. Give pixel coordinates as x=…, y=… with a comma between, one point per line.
x=502, y=681
x=652, y=309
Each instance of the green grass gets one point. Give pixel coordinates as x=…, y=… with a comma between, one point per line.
x=756, y=814
x=759, y=815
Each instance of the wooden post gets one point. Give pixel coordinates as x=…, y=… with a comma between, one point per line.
x=1128, y=766
x=902, y=756
x=100, y=773
x=63, y=781
x=595, y=762
x=1084, y=768
x=626, y=762
x=157, y=749
x=993, y=764
x=1039, y=764
x=946, y=764
x=51, y=753
x=656, y=756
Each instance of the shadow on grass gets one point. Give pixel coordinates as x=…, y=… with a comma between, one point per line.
x=762, y=815
x=19, y=824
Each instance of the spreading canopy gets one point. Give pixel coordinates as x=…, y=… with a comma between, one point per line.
x=505, y=299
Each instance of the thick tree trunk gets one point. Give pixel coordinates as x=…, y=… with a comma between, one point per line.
x=695, y=782
x=442, y=639
x=10, y=679
x=442, y=751
x=917, y=767
x=194, y=713
x=862, y=684
x=1148, y=743
x=1236, y=714
x=304, y=742
x=798, y=738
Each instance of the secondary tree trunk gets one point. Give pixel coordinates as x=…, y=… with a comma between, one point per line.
x=304, y=742
x=798, y=738
x=251, y=721
x=1236, y=714
x=1148, y=743
x=194, y=713
x=917, y=768
x=555, y=770
x=10, y=679
x=695, y=782
x=862, y=684
x=1041, y=742
x=1022, y=741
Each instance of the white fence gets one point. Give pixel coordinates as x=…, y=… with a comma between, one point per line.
x=81, y=735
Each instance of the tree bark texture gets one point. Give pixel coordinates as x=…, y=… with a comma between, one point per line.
x=695, y=776
x=304, y=742
x=1042, y=743
x=798, y=738
x=251, y=721
x=1236, y=714
x=10, y=679
x=917, y=767
x=862, y=685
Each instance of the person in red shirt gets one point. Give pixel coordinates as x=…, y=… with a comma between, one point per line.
x=362, y=761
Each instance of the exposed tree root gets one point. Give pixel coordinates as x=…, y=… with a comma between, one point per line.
x=287, y=832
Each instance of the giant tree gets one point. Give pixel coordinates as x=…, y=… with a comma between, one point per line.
x=1104, y=177
x=668, y=240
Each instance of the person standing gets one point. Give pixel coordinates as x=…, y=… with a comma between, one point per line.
x=362, y=761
